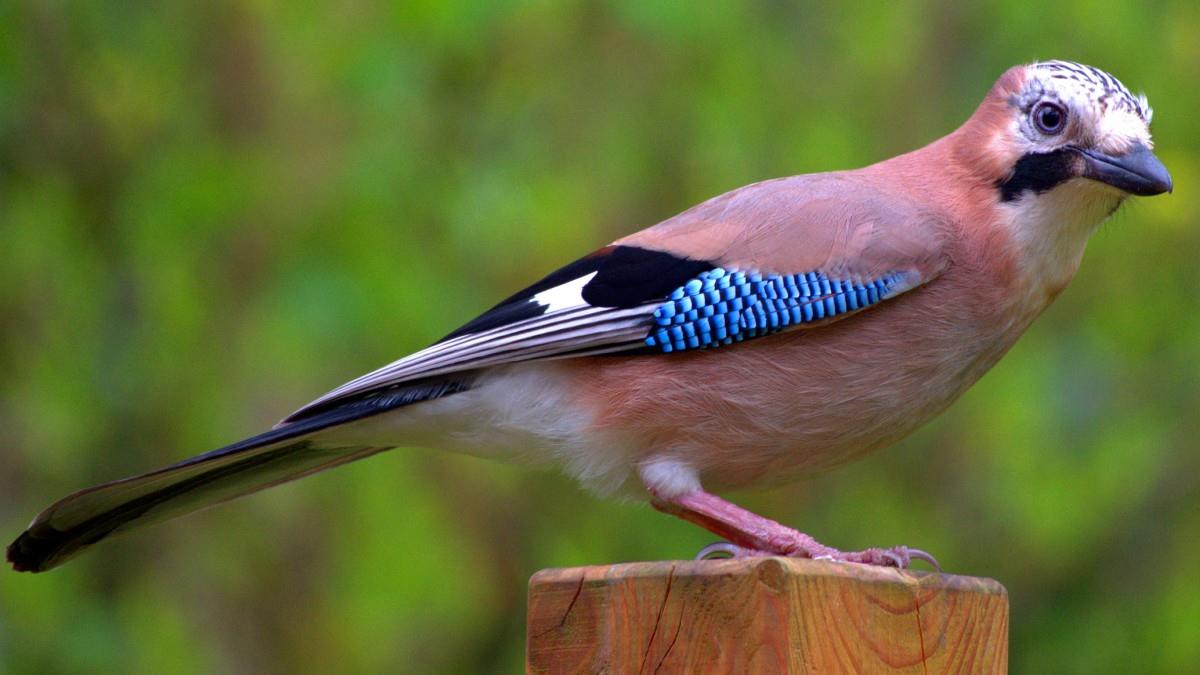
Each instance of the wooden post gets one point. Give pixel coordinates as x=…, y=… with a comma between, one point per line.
x=763, y=615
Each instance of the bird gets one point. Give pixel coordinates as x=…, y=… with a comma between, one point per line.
x=770, y=333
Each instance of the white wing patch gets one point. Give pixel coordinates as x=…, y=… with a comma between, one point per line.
x=564, y=296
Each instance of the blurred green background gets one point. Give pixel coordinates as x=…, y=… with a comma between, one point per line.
x=211, y=212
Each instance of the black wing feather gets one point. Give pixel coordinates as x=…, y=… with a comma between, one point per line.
x=626, y=276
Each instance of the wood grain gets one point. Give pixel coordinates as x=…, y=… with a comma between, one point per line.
x=763, y=615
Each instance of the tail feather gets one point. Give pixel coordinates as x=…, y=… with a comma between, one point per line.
x=286, y=453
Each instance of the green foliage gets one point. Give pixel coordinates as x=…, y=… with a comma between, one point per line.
x=212, y=212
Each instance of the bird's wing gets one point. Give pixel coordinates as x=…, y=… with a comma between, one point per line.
x=768, y=257
x=845, y=224
x=601, y=303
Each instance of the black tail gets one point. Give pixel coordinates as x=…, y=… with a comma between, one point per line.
x=283, y=454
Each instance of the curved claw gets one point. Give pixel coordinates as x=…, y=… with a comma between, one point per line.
x=716, y=549
x=899, y=557
x=918, y=554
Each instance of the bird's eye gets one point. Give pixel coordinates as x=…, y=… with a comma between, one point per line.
x=1050, y=118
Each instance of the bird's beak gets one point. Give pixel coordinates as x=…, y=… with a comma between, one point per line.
x=1137, y=172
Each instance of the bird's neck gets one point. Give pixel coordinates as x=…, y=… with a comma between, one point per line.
x=1037, y=239
x=1046, y=232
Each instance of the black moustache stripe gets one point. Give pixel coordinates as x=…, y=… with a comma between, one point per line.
x=1037, y=173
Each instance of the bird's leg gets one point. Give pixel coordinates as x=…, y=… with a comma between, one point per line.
x=750, y=534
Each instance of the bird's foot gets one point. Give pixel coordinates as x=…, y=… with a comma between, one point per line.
x=748, y=534
x=897, y=556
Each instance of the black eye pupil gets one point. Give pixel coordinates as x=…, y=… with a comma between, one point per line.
x=1050, y=118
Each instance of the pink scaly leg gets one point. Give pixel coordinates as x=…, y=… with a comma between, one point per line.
x=750, y=534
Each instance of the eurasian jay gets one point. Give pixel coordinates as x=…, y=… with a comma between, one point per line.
x=768, y=333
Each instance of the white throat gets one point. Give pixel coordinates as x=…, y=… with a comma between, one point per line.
x=1052, y=229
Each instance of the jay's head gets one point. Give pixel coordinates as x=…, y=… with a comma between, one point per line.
x=1063, y=129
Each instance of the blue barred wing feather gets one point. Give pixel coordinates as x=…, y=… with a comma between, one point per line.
x=720, y=307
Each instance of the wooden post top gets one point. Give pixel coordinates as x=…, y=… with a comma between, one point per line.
x=763, y=615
